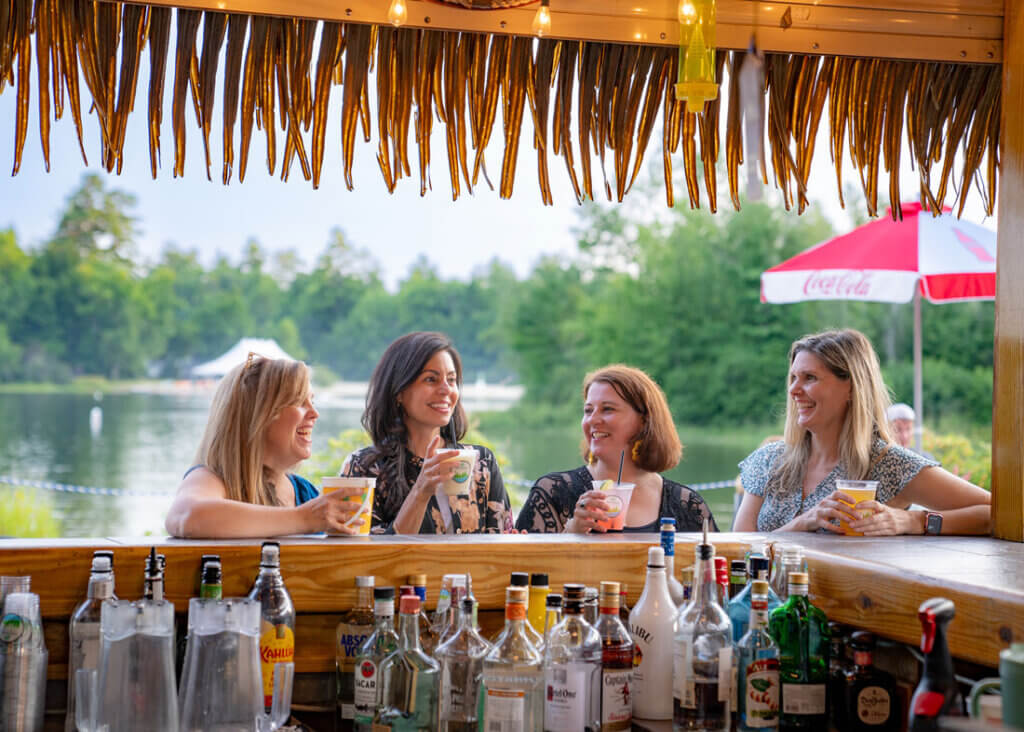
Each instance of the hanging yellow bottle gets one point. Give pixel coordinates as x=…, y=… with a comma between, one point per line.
x=696, y=83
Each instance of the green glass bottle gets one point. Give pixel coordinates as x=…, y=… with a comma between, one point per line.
x=801, y=630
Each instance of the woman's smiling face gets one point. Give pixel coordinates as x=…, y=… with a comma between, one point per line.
x=289, y=438
x=610, y=424
x=821, y=398
x=429, y=401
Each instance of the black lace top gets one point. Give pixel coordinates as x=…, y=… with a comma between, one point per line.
x=485, y=511
x=553, y=498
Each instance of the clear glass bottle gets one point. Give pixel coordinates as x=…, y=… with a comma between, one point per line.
x=382, y=642
x=869, y=693
x=512, y=688
x=789, y=559
x=591, y=606
x=153, y=579
x=686, y=580
x=702, y=654
x=739, y=606
x=522, y=579
x=84, y=628
x=410, y=677
x=537, y=608
x=624, y=604
x=758, y=667
x=277, y=618
x=428, y=634
x=552, y=613
x=616, y=663
x=801, y=630
x=461, y=658
x=353, y=628
x=652, y=623
x=667, y=526
x=722, y=579
x=459, y=592
x=572, y=669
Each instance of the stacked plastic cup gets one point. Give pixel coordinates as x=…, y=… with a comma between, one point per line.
x=23, y=659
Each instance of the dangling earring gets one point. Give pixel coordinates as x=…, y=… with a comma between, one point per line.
x=635, y=454
x=590, y=458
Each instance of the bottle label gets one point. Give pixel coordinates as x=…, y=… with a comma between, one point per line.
x=684, y=688
x=565, y=695
x=350, y=636
x=515, y=611
x=277, y=645
x=365, y=690
x=616, y=700
x=725, y=674
x=761, y=695
x=873, y=705
x=453, y=696
x=803, y=699
x=504, y=711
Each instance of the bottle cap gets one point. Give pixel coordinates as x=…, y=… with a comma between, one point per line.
x=539, y=579
x=798, y=578
x=404, y=590
x=655, y=558
x=519, y=579
x=383, y=593
x=409, y=604
x=862, y=640
x=553, y=600
x=101, y=564
x=759, y=564
x=212, y=573
x=792, y=551
x=737, y=566
x=417, y=580
x=467, y=604
x=590, y=595
x=704, y=552
x=365, y=581
x=667, y=523
x=759, y=587
x=610, y=595
x=105, y=553
x=574, y=591
x=687, y=575
x=270, y=554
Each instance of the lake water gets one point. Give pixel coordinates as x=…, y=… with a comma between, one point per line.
x=146, y=441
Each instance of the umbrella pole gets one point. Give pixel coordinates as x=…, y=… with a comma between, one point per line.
x=918, y=398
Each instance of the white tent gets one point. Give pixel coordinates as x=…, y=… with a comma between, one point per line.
x=237, y=354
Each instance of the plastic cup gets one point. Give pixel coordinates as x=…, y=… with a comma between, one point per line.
x=461, y=481
x=617, y=497
x=333, y=483
x=858, y=490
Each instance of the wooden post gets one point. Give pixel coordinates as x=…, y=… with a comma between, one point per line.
x=1008, y=376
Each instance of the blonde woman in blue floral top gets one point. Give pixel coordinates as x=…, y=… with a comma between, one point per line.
x=836, y=428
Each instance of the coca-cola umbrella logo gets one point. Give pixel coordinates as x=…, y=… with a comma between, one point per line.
x=850, y=284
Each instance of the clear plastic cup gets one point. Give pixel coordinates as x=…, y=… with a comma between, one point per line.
x=617, y=497
x=461, y=481
x=365, y=498
x=858, y=490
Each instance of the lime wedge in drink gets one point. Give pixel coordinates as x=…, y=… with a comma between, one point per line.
x=607, y=485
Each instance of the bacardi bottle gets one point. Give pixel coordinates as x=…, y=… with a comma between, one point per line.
x=381, y=643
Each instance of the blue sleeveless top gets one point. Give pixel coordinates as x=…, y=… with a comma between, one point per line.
x=304, y=490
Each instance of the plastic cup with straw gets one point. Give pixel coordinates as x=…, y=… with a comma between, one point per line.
x=617, y=496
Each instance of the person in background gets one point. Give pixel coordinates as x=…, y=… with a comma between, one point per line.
x=625, y=415
x=836, y=427
x=901, y=424
x=416, y=421
x=259, y=428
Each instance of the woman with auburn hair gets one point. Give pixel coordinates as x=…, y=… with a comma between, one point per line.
x=836, y=428
x=416, y=420
x=260, y=426
x=625, y=416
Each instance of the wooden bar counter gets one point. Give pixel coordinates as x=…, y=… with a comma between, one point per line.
x=876, y=584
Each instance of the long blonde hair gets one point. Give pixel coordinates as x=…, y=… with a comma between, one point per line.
x=849, y=355
x=248, y=399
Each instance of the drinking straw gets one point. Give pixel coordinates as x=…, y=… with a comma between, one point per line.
x=622, y=456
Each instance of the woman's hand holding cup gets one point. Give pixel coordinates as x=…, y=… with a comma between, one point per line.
x=335, y=513
x=591, y=508
x=438, y=467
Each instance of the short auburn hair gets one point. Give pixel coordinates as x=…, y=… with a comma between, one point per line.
x=660, y=447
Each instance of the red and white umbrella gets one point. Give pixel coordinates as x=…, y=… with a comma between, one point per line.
x=941, y=257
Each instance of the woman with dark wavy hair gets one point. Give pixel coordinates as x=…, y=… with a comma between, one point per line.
x=416, y=421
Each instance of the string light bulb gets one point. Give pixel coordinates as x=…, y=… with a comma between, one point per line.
x=398, y=12
x=542, y=20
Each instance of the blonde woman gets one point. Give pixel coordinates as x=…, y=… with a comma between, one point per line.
x=260, y=427
x=836, y=427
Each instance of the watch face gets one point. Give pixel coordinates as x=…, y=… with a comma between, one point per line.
x=934, y=524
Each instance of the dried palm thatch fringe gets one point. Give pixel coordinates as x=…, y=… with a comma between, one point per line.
x=609, y=95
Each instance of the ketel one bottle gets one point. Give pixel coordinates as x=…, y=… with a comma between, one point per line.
x=758, y=667
x=616, y=663
x=409, y=676
x=652, y=623
x=801, y=630
x=869, y=694
x=277, y=617
x=381, y=643
x=84, y=629
x=936, y=694
x=353, y=629
x=572, y=670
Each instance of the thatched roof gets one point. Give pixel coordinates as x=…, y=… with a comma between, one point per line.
x=586, y=99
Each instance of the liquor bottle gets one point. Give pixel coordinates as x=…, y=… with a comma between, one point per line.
x=353, y=628
x=686, y=580
x=801, y=630
x=737, y=577
x=409, y=676
x=758, y=667
x=552, y=613
x=591, y=605
x=936, y=693
x=277, y=617
x=521, y=579
x=572, y=669
x=458, y=594
x=537, y=608
x=652, y=624
x=84, y=628
x=379, y=644
x=182, y=629
x=512, y=687
x=616, y=663
x=721, y=579
x=667, y=526
x=702, y=654
x=211, y=587
x=790, y=559
x=153, y=581
x=443, y=612
x=869, y=694
x=461, y=658
x=739, y=606
x=428, y=634
x=624, y=605
x=837, y=667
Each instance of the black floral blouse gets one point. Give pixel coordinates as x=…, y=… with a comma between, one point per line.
x=553, y=498
x=486, y=511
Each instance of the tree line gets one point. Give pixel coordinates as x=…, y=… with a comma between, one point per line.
x=675, y=292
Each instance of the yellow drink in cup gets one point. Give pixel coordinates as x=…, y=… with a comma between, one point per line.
x=858, y=490
x=365, y=498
